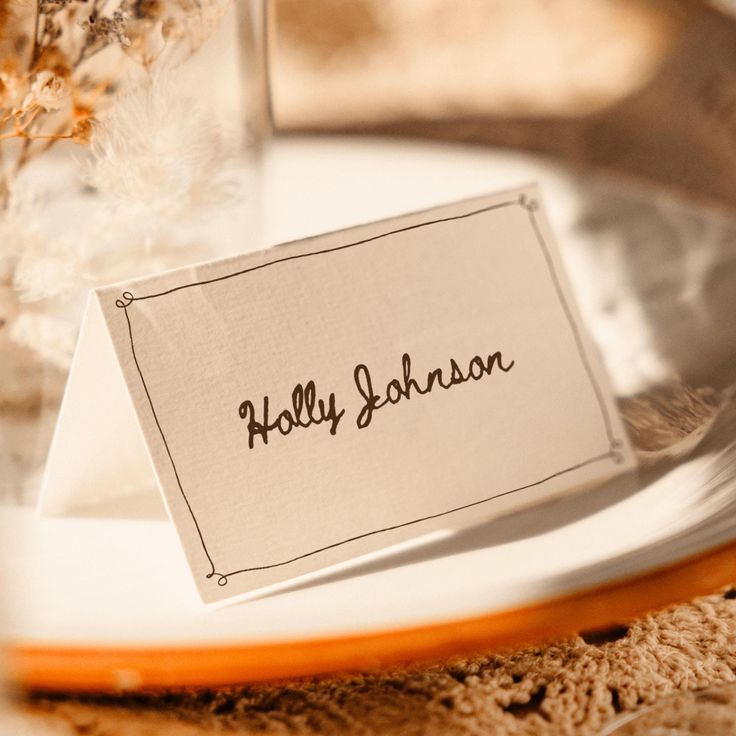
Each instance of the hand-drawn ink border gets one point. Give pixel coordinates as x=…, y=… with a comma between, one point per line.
x=530, y=206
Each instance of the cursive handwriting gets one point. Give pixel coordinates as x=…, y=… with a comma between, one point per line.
x=305, y=411
x=403, y=388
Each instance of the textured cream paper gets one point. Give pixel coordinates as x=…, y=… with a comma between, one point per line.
x=201, y=347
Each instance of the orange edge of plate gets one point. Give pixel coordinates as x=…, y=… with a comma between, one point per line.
x=134, y=668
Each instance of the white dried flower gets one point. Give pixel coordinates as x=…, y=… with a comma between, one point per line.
x=38, y=267
x=48, y=91
x=34, y=267
x=51, y=271
x=102, y=30
x=18, y=231
x=159, y=150
x=51, y=338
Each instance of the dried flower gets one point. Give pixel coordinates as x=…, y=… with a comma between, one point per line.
x=38, y=267
x=53, y=272
x=102, y=30
x=35, y=272
x=52, y=338
x=159, y=149
x=82, y=131
x=47, y=91
x=17, y=228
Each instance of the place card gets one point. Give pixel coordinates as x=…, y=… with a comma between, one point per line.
x=328, y=398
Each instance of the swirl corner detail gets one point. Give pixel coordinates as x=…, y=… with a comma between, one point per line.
x=125, y=300
x=528, y=203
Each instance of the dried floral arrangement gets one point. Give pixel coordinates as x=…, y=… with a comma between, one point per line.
x=98, y=77
x=61, y=80
x=58, y=66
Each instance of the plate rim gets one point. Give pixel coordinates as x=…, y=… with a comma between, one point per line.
x=50, y=667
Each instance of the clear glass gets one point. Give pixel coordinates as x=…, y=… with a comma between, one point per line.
x=81, y=221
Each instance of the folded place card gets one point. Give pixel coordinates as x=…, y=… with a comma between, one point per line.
x=324, y=399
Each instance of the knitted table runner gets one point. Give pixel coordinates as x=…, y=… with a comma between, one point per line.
x=573, y=686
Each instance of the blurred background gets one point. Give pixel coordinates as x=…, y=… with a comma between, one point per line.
x=645, y=87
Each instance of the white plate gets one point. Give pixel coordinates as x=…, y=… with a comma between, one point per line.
x=97, y=583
